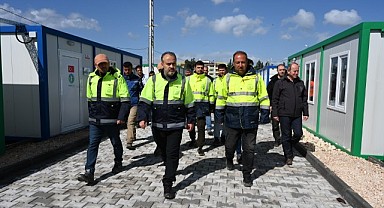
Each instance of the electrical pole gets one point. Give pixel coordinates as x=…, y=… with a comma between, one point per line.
x=151, y=27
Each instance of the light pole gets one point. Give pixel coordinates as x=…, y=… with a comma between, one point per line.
x=151, y=27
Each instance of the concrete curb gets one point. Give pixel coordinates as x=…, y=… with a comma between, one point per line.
x=345, y=191
x=9, y=172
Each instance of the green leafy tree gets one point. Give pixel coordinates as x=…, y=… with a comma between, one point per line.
x=229, y=65
x=189, y=64
x=259, y=65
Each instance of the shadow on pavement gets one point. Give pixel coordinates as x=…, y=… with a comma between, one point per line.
x=199, y=169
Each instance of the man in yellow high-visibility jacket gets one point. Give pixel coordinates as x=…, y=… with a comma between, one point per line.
x=168, y=96
x=243, y=94
x=203, y=94
x=108, y=106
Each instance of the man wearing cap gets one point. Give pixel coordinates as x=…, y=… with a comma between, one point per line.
x=108, y=106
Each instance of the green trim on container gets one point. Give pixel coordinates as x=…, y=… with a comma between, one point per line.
x=364, y=30
x=361, y=81
x=301, y=64
x=2, y=134
x=320, y=92
x=342, y=35
x=375, y=156
x=327, y=140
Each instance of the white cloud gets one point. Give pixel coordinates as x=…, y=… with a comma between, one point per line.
x=302, y=19
x=344, y=18
x=133, y=36
x=322, y=36
x=167, y=18
x=183, y=13
x=286, y=37
x=51, y=18
x=218, y=1
x=238, y=25
x=193, y=21
x=236, y=10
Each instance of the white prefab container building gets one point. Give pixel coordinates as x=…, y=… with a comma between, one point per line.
x=343, y=75
x=45, y=90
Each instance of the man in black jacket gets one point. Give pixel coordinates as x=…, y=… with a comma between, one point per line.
x=289, y=107
x=281, y=71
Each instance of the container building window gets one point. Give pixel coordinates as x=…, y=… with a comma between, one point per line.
x=309, y=80
x=338, y=82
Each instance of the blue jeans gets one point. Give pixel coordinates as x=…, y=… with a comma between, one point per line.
x=287, y=124
x=208, y=122
x=96, y=133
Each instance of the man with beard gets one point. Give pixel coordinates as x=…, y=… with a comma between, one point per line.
x=168, y=96
x=243, y=94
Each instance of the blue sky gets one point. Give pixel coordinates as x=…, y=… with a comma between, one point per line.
x=201, y=29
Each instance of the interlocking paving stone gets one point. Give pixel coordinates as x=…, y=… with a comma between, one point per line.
x=200, y=181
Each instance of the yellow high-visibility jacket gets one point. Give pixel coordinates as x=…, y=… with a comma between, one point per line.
x=241, y=98
x=108, y=97
x=170, y=101
x=203, y=93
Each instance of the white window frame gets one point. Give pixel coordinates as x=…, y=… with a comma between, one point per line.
x=337, y=106
x=314, y=62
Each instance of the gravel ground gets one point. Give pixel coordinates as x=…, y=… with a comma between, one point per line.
x=364, y=177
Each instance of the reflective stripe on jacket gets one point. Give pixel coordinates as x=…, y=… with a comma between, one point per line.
x=108, y=97
x=241, y=98
x=170, y=101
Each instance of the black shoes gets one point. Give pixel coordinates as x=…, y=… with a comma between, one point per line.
x=130, y=147
x=117, y=168
x=247, y=181
x=210, y=132
x=230, y=165
x=289, y=161
x=86, y=177
x=276, y=144
x=168, y=192
x=200, y=151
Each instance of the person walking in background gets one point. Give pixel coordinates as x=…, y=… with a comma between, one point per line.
x=218, y=121
x=134, y=88
x=243, y=93
x=290, y=107
x=202, y=88
x=139, y=72
x=108, y=105
x=208, y=119
x=169, y=97
x=281, y=71
x=188, y=72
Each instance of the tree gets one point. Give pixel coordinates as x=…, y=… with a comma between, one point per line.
x=189, y=64
x=229, y=65
x=259, y=65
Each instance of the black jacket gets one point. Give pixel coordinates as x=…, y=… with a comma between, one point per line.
x=289, y=98
x=270, y=86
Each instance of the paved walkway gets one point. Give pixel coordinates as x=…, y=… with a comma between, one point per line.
x=201, y=182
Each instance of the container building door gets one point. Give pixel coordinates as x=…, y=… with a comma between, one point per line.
x=70, y=105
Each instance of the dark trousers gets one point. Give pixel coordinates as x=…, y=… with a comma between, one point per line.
x=169, y=144
x=96, y=133
x=200, y=132
x=276, y=130
x=289, y=124
x=248, y=137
